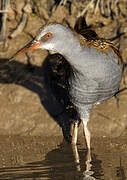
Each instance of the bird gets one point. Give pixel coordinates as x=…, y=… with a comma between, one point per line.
x=96, y=67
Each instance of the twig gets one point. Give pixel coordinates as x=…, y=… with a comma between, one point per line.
x=4, y=6
x=102, y=7
x=20, y=26
x=109, y=7
x=63, y=2
x=97, y=6
x=91, y=5
x=116, y=7
x=3, y=11
x=26, y=9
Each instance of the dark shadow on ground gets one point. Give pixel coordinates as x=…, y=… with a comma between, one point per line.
x=50, y=83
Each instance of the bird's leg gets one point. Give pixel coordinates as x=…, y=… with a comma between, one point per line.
x=76, y=156
x=86, y=132
x=75, y=133
x=88, y=171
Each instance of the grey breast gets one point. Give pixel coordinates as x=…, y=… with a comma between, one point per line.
x=95, y=78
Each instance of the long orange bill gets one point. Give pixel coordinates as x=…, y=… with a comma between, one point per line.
x=30, y=46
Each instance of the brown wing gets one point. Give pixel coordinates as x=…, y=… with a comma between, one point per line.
x=89, y=37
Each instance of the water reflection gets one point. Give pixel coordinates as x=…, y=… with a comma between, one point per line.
x=65, y=162
x=88, y=170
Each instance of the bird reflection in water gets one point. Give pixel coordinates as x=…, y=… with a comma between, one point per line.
x=87, y=174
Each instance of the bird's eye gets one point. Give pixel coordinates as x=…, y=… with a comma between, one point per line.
x=48, y=35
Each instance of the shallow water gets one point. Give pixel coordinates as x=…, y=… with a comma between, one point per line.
x=48, y=158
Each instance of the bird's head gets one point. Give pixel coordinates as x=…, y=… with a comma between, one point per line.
x=53, y=37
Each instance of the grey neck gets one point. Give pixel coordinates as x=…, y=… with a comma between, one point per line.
x=73, y=51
